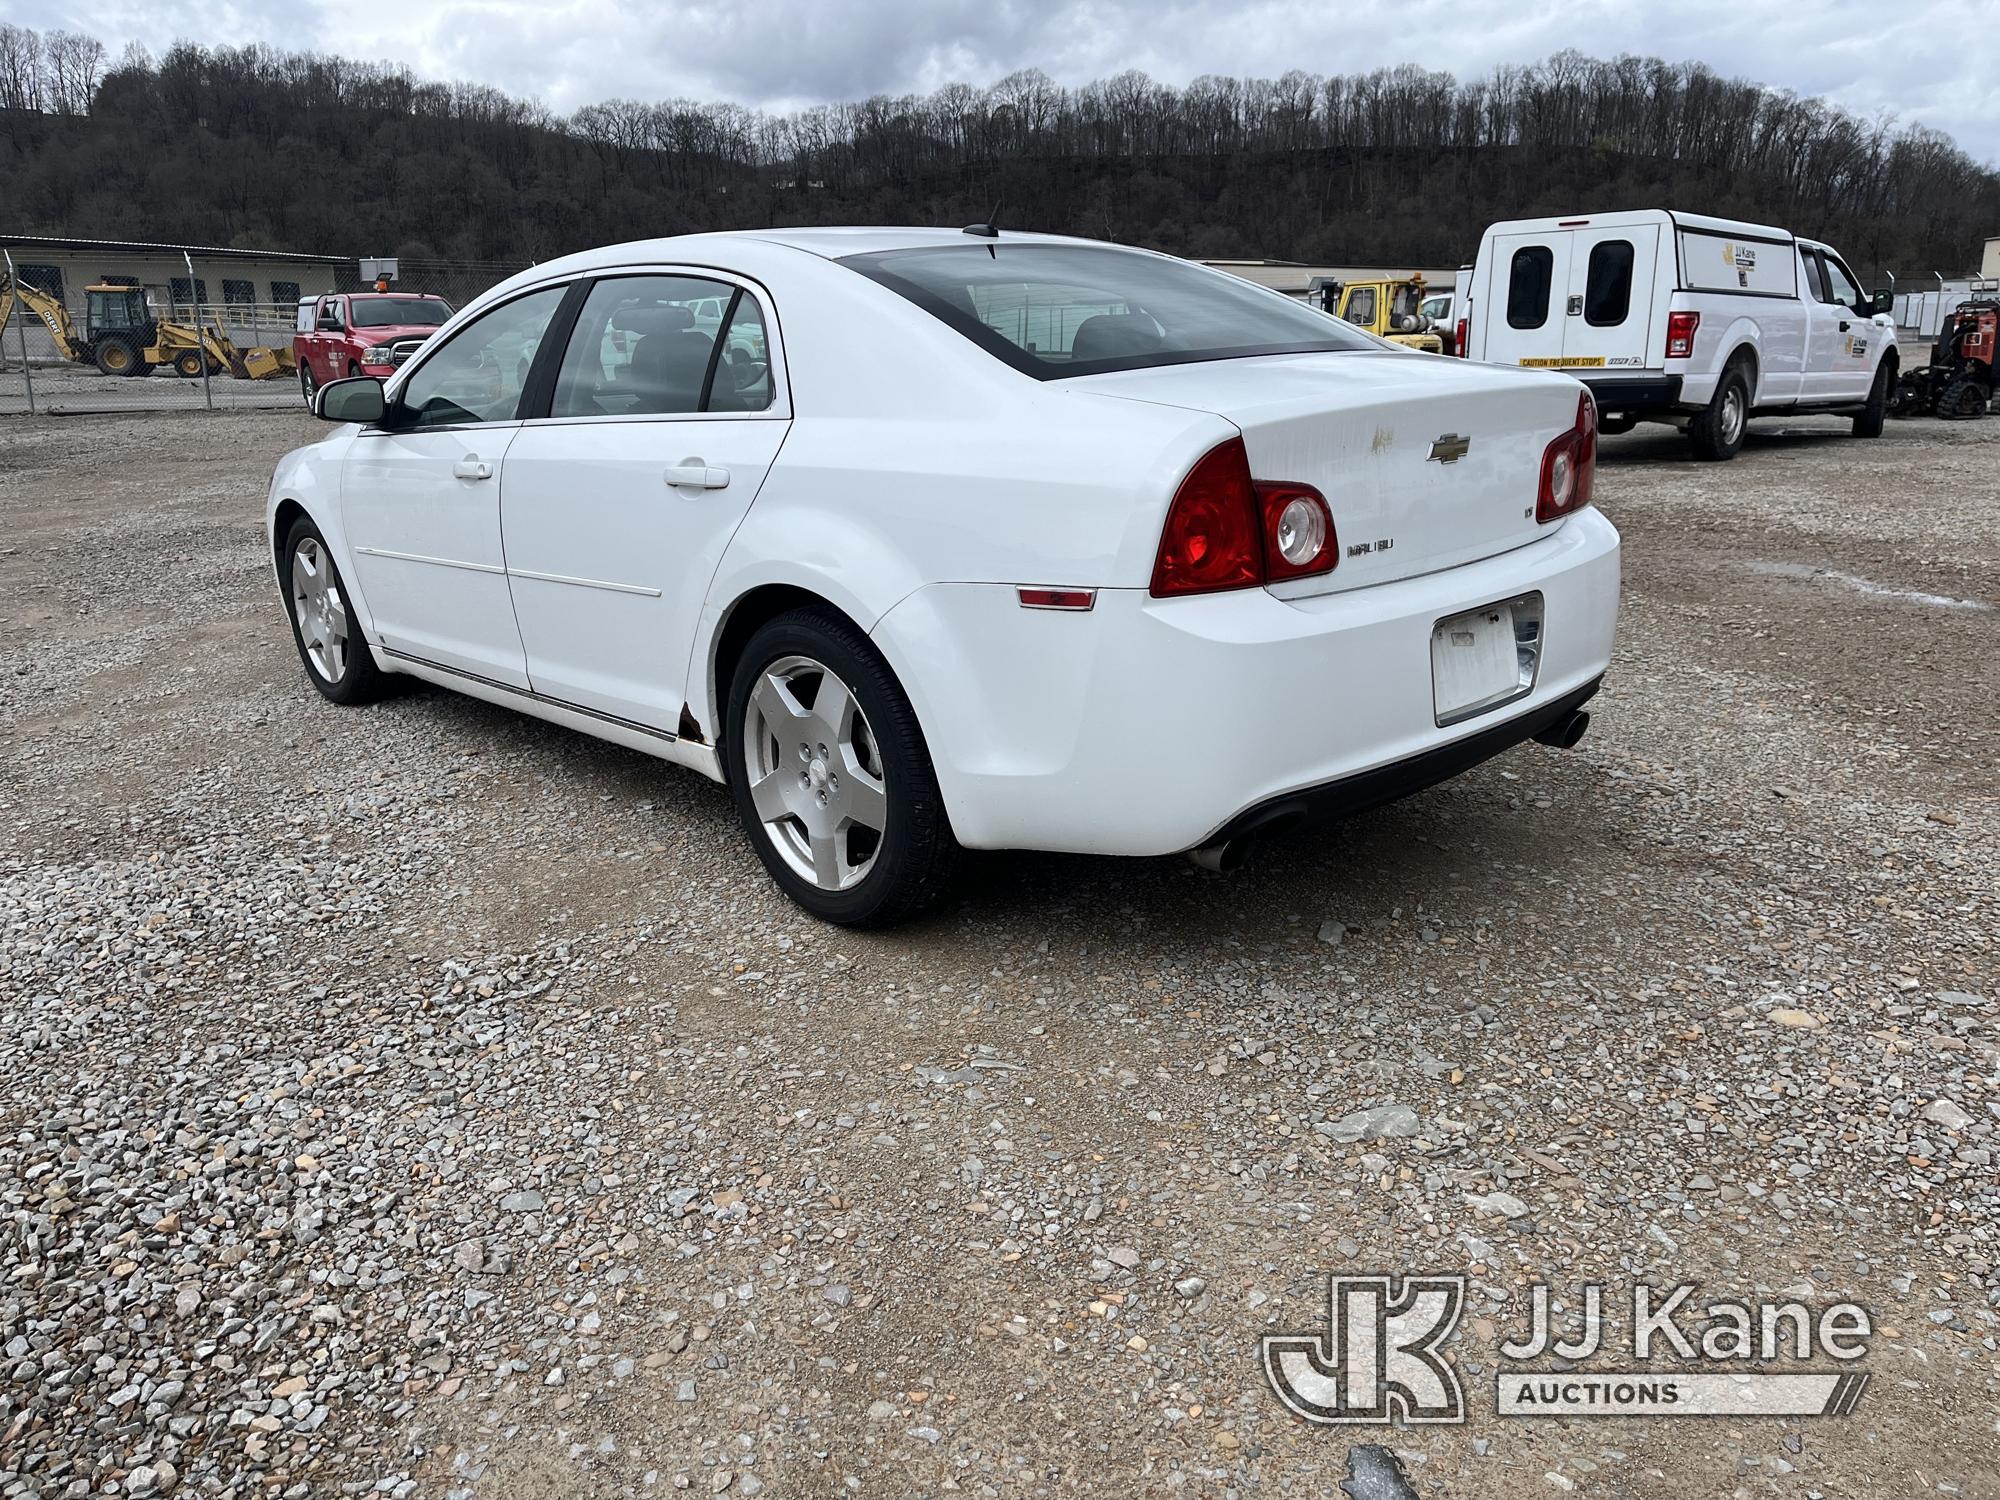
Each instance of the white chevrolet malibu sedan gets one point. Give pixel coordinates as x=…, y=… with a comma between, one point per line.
x=924, y=540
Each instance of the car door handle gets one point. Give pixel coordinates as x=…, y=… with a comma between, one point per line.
x=696, y=475
x=472, y=468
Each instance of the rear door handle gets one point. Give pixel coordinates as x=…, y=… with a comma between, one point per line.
x=472, y=468
x=696, y=475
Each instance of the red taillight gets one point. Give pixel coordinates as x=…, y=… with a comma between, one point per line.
x=1569, y=466
x=1211, y=542
x=1680, y=334
x=1228, y=531
x=1298, y=531
x=1458, y=343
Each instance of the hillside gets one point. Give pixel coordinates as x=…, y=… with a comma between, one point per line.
x=260, y=149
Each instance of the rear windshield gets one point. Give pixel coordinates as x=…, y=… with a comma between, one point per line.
x=389, y=312
x=1058, y=310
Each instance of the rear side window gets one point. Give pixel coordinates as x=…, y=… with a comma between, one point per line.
x=1607, y=291
x=1053, y=311
x=647, y=346
x=1528, y=286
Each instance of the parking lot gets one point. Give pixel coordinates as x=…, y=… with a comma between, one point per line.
x=425, y=1096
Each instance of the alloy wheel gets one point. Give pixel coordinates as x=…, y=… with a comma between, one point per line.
x=320, y=610
x=815, y=772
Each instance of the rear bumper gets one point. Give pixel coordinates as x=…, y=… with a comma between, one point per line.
x=1635, y=394
x=1358, y=793
x=1147, y=726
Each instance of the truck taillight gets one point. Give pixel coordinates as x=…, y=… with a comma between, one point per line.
x=1680, y=334
x=1569, y=465
x=1226, y=530
x=1458, y=341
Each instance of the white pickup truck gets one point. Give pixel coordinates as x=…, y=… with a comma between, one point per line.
x=1673, y=317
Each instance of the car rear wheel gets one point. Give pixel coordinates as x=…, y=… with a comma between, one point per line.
x=330, y=643
x=1717, y=430
x=307, y=385
x=831, y=776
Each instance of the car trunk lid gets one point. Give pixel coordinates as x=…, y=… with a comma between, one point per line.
x=1425, y=463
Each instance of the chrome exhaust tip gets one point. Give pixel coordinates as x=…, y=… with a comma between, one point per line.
x=1565, y=733
x=1220, y=857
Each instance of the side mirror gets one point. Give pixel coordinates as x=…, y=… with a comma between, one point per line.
x=1882, y=302
x=356, y=399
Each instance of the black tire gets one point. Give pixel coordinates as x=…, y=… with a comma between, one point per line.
x=116, y=357
x=359, y=679
x=914, y=854
x=1868, y=422
x=1717, y=430
x=307, y=385
x=353, y=369
x=1962, y=400
x=142, y=368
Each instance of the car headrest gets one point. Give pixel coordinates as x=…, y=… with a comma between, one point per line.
x=1114, y=335
x=647, y=318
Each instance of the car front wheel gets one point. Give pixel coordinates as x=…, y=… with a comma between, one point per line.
x=335, y=654
x=831, y=776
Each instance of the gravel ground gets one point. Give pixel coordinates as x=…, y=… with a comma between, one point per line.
x=429, y=1101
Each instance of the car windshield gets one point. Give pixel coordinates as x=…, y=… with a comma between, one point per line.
x=1053, y=311
x=391, y=312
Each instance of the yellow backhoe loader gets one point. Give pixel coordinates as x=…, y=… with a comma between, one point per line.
x=122, y=337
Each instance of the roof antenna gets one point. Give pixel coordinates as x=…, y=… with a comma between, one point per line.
x=990, y=230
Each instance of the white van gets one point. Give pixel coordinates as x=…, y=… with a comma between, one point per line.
x=1672, y=317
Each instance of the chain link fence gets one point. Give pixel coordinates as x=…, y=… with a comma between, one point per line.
x=170, y=348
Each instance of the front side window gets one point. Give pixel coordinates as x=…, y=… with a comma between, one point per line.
x=643, y=346
x=478, y=376
x=1361, y=306
x=1840, y=287
x=1607, y=290
x=1053, y=311
x=1528, y=286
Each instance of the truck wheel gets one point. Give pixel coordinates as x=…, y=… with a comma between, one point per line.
x=1717, y=429
x=1868, y=421
x=353, y=369
x=188, y=365
x=116, y=357
x=307, y=385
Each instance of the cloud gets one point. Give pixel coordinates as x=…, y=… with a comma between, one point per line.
x=776, y=53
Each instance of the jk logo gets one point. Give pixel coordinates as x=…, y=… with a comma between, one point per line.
x=1378, y=1359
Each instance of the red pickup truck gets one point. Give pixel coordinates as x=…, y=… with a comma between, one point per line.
x=361, y=333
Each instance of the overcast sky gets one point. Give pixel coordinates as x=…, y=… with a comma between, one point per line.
x=1913, y=59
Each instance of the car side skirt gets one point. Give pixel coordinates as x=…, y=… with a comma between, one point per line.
x=659, y=743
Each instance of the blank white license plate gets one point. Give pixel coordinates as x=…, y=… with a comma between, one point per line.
x=1474, y=662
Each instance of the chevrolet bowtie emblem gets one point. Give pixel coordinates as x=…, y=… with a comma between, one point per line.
x=1450, y=448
